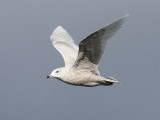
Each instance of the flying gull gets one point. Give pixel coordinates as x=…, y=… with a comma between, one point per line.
x=81, y=64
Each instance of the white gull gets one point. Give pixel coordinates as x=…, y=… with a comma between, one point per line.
x=81, y=64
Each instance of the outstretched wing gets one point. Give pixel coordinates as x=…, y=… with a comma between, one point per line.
x=91, y=48
x=64, y=43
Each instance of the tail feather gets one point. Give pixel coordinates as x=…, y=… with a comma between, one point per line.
x=109, y=81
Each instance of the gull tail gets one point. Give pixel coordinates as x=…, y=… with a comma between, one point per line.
x=109, y=81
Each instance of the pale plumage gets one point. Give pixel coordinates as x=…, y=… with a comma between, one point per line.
x=81, y=65
x=64, y=43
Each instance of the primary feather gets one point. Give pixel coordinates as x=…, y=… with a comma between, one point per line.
x=64, y=43
x=92, y=47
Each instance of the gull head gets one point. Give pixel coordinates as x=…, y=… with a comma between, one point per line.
x=57, y=73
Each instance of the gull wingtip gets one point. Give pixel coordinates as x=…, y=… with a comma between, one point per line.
x=126, y=16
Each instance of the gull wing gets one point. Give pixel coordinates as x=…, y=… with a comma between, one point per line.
x=91, y=48
x=64, y=43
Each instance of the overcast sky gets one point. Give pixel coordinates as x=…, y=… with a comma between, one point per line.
x=27, y=57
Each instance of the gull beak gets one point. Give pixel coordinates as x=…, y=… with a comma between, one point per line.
x=48, y=76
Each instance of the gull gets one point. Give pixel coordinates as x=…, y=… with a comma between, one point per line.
x=81, y=63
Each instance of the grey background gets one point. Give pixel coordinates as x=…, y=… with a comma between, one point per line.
x=27, y=57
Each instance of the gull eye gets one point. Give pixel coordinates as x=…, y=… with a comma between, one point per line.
x=57, y=71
